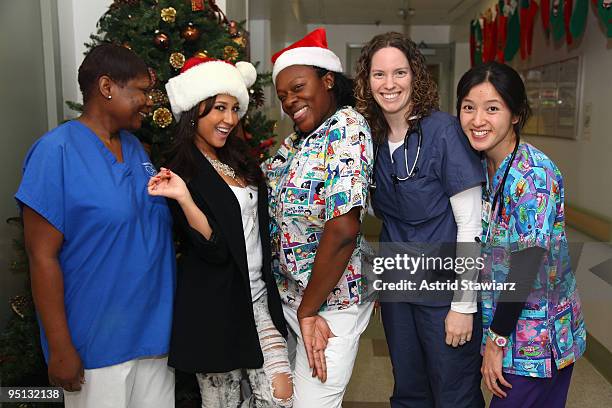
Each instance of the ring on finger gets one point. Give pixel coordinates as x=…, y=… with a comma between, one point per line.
x=462, y=342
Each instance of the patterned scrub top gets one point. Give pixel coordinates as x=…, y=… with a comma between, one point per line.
x=311, y=181
x=551, y=326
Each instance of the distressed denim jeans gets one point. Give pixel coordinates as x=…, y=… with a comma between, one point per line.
x=222, y=390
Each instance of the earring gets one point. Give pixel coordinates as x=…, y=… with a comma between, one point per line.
x=192, y=123
x=109, y=97
x=330, y=87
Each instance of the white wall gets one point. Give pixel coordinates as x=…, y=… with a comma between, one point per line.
x=77, y=20
x=23, y=114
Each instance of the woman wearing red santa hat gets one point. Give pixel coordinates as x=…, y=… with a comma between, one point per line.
x=318, y=190
x=227, y=314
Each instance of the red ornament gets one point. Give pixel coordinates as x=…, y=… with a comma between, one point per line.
x=197, y=5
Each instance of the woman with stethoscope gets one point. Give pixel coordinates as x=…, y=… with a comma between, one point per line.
x=427, y=191
x=533, y=334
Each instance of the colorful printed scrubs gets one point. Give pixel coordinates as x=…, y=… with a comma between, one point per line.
x=551, y=325
x=311, y=181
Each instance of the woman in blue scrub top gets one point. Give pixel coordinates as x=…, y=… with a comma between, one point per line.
x=100, y=248
x=427, y=191
x=535, y=333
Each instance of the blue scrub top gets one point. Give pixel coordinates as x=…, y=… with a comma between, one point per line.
x=117, y=257
x=418, y=210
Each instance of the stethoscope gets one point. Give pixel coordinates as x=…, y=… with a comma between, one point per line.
x=498, y=197
x=410, y=173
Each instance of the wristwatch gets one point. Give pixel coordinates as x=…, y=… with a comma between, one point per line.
x=500, y=341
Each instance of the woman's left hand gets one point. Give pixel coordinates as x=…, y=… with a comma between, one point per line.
x=315, y=332
x=458, y=327
x=492, y=369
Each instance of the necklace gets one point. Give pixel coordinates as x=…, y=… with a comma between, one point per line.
x=226, y=170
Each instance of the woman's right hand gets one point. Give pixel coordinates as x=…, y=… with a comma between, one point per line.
x=168, y=184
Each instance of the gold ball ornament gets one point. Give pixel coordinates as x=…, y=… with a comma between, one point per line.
x=168, y=14
x=201, y=54
x=230, y=53
x=159, y=97
x=190, y=33
x=240, y=40
x=161, y=40
x=162, y=117
x=177, y=60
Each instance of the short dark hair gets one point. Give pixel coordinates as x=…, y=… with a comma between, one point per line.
x=119, y=63
x=508, y=84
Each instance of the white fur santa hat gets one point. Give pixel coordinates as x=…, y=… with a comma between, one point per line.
x=201, y=78
x=311, y=50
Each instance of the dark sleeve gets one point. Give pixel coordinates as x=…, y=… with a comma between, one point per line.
x=213, y=250
x=460, y=167
x=524, y=266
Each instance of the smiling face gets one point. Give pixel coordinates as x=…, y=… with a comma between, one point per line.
x=214, y=128
x=305, y=97
x=390, y=80
x=487, y=121
x=130, y=102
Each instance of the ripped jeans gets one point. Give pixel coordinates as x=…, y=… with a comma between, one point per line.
x=222, y=390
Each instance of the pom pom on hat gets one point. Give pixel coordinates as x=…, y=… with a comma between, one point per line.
x=311, y=50
x=201, y=78
x=248, y=72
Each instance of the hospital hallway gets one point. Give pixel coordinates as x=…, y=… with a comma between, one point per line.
x=371, y=384
x=372, y=380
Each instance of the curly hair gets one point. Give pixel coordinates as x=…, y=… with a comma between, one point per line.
x=423, y=95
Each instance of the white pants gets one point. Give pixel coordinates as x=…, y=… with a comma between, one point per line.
x=139, y=383
x=347, y=325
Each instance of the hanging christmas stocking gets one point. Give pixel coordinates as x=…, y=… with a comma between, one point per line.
x=502, y=27
x=557, y=22
x=605, y=14
x=514, y=30
x=579, y=18
x=529, y=9
x=568, y=6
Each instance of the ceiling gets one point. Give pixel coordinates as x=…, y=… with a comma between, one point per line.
x=388, y=12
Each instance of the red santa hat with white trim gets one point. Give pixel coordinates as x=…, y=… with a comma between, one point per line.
x=311, y=50
x=201, y=78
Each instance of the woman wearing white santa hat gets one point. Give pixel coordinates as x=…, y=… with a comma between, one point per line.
x=227, y=315
x=319, y=185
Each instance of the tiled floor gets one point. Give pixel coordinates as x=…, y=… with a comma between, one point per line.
x=372, y=381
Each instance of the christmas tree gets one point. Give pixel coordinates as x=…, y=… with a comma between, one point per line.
x=164, y=33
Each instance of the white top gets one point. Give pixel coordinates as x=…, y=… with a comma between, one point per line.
x=247, y=198
x=393, y=146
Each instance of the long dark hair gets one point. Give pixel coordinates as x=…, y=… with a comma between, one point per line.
x=423, y=95
x=235, y=153
x=508, y=84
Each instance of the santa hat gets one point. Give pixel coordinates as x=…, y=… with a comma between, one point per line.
x=201, y=78
x=311, y=50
